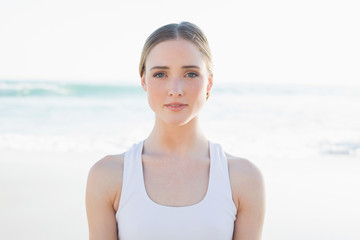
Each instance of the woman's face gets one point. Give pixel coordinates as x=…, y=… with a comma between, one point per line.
x=176, y=81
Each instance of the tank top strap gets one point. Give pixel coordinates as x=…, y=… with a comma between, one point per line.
x=132, y=173
x=220, y=178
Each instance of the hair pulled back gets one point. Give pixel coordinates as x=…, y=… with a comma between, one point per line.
x=185, y=30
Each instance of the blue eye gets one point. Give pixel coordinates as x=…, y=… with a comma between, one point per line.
x=159, y=75
x=192, y=75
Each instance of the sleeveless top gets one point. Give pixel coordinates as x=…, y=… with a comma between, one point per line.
x=140, y=218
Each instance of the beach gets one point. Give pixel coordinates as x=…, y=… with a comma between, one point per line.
x=43, y=195
x=305, y=140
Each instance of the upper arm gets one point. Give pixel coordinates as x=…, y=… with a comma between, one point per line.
x=249, y=197
x=102, y=190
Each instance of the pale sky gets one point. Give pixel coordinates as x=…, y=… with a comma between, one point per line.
x=281, y=41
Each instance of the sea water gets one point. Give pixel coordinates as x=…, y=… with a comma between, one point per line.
x=304, y=138
x=49, y=116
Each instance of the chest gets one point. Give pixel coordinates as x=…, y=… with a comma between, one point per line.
x=176, y=183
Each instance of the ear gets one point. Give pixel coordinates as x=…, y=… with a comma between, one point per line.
x=143, y=83
x=210, y=83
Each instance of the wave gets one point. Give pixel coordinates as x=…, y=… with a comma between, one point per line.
x=64, y=143
x=340, y=148
x=48, y=89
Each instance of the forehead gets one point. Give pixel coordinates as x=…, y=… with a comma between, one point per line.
x=177, y=51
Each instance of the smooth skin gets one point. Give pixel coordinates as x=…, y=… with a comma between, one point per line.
x=176, y=154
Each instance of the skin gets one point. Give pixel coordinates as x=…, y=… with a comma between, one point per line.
x=176, y=153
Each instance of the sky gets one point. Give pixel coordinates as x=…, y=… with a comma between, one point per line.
x=280, y=41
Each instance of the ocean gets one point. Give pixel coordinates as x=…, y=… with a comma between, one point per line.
x=304, y=138
x=51, y=116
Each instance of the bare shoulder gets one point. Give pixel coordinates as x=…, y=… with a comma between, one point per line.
x=243, y=168
x=105, y=178
x=245, y=178
x=108, y=164
x=102, y=196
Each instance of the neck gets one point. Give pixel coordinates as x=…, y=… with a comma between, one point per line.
x=181, y=141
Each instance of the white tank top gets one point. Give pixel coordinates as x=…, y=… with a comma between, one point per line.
x=140, y=218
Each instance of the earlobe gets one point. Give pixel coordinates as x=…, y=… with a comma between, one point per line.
x=210, y=83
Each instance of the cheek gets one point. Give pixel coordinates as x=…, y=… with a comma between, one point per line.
x=154, y=88
x=198, y=89
x=155, y=94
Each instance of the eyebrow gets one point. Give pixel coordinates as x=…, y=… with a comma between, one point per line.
x=190, y=66
x=159, y=67
x=183, y=67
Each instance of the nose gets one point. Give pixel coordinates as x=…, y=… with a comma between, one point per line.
x=176, y=88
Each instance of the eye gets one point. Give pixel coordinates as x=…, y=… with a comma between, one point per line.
x=159, y=75
x=192, y=75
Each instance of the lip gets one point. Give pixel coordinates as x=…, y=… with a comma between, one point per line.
x=175, y=106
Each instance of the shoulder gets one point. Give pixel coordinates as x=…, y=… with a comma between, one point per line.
x=246, y=179
x=102, y=191
x=107, y=167
x=105, y=178
x=243, y=168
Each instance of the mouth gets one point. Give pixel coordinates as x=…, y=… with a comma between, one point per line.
x=175, y=106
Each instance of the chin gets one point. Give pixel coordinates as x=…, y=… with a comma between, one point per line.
x=177, y=121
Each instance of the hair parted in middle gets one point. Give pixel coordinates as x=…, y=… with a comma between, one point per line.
x=185, y=30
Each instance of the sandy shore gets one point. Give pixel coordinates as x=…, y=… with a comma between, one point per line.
x=43, y=196
x=314, y=198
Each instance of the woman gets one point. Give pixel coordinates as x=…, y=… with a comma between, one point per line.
x=175, y=184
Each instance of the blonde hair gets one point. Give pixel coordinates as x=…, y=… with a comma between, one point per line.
x=185, y=30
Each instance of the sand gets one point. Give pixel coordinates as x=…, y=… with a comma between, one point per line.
x=43, y=196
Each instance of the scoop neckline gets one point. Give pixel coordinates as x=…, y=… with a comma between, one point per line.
x=149, y=199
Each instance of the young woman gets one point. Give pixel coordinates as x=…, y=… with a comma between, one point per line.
x=175, y=184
